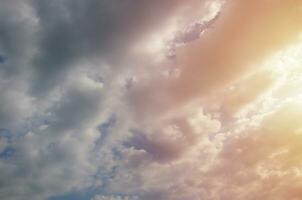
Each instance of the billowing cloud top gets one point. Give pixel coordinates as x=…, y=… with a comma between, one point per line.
x=150, y=100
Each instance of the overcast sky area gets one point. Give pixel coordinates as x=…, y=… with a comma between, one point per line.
x=150, y=99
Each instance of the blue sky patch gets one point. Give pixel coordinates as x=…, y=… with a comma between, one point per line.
x=2, y=59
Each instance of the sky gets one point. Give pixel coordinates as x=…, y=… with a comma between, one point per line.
x=150, y=100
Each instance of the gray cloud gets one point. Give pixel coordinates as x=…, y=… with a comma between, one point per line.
x=72, y=30
x=62, y=67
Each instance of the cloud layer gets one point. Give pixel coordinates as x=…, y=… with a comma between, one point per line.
x=150, y=100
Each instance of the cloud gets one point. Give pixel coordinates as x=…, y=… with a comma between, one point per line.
x=262, y=162
x=98, y=197
x=62, y=76
x=53, y=157
x=17, y=37
x=73, y=30
x=149, y=100
x=236, y=44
